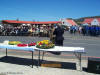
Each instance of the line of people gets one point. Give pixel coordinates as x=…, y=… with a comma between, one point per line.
x=73, y=29
x=91, y=30
x=85, y=30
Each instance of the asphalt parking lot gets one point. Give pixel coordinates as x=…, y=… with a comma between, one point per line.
x=91, y=44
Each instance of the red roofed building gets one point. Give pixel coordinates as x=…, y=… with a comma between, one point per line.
x=91, y=21
x=68, y=22
x=15, y=22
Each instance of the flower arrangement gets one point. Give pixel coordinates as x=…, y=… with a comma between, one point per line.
x=14, y=42
x=45, y=44
x=32, y=44
x=22, y=45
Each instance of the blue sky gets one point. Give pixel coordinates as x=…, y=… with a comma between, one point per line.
x=47, y=10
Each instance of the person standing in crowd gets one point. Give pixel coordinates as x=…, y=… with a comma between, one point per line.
x=52, y=37
x=97, y=30
x=83, y=30
x=87, y=30
x=80, y=30
x=71, y=29
x=41, y=32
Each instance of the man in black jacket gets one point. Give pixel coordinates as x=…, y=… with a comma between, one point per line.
x=59, y=31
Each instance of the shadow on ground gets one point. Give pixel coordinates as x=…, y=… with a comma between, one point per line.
x=28, y=62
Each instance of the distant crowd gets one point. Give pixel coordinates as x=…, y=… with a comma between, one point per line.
x=86, y=30
x=25, y=31
x=46, y=30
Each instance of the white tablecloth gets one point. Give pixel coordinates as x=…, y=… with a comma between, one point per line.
x=15, y=47
x=64, y=49
x=56, y=48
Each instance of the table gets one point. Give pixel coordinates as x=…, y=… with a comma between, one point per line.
x=15, y=47
x=78, y=51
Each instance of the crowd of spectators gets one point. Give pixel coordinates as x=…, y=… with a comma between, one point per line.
x=8, y=31
x=45, y=31
x=25, y=31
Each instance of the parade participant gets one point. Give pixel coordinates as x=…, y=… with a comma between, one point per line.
x=87, y=30
x=97, y=30
x=83, y=30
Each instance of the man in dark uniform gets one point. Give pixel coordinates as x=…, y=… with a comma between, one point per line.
x=59, y=31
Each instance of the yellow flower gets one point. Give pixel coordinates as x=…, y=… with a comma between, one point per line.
x=46, y=40
x=46, y=43
x=42, y=41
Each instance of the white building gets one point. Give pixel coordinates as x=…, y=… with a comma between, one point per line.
x=91, y=21
x=95, y=22
x=68, y=22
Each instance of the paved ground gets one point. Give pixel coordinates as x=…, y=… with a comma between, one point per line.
x=18, y=67
x=91, y=45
